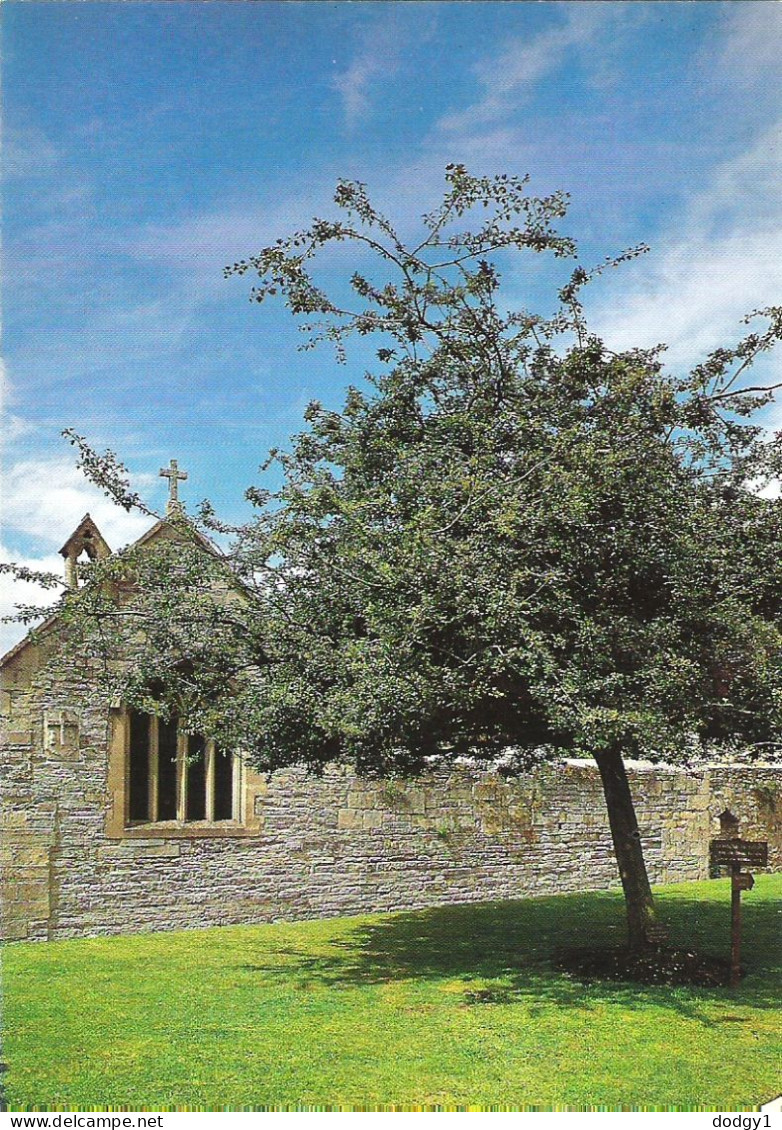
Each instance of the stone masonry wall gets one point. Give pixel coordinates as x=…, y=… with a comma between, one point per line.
x=331, y=846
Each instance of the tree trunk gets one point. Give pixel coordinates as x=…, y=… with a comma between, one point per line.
x=642, y=927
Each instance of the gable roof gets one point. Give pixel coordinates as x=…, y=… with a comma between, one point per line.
x=162, y=528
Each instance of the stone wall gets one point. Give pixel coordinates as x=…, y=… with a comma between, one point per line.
x=320, y=847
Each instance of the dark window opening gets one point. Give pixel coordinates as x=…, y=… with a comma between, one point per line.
x=166, y=770
x=196, y=778
x=138, y=782
x=223, y=784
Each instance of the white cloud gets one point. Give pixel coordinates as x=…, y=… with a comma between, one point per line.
x=717, y=260
x=771, y=489
x=13, y=592
x=355, y=83
x=202, y=243
x=748, y=48
x=507, y=77
x=13, y=426
x=28, y=152
x=45, y=499
x=43, y=502
x=377, y=60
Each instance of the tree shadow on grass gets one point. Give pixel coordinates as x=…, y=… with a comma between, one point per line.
x=503, y=952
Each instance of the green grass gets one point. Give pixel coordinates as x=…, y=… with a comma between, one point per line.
x=450, y=1007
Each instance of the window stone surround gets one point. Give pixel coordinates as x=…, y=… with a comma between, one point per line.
x=117, y=825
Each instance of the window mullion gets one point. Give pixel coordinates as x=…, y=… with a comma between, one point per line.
x=126, y=723
x=154, y=763
x=237, y=792
x=181, y=764
x=209, y=753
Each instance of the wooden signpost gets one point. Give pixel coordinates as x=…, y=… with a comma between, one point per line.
x=731, y=852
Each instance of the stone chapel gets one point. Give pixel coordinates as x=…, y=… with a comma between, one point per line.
x=113, y=821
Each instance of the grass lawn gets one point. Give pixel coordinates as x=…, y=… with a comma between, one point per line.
x=450, y=1007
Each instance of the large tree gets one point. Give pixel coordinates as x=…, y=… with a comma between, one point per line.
x=512, y=543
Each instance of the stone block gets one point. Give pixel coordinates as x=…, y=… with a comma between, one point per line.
x=349, y=819
x=416, y=801
x=15, y=928
x=393, y=797
x=163, y=850
x=488, y=790
x=18, y=737
x=15, y=820
x=34, y=857
x=33, y=894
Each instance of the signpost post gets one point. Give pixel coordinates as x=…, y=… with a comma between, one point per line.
x=735, y=853
x=740, y=881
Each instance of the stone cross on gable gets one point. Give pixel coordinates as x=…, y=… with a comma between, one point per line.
x=175, y=477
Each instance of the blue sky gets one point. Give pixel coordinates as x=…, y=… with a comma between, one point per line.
x=147, y=145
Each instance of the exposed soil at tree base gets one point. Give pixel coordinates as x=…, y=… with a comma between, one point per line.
x=657, y=966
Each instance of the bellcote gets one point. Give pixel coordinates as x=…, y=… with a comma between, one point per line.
x=86, y=538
